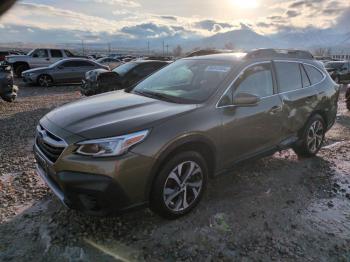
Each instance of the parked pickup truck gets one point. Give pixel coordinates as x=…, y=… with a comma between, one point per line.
x=36, y=58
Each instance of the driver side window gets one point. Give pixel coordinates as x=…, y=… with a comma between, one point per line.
x=256, y=80
x=40, y=53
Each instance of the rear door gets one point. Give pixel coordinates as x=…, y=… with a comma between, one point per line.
x=253, y=129
x=298, y=95
x=81, y=67
x=64, y=72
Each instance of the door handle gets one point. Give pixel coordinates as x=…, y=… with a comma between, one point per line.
x=47, y=59
x=275, y=109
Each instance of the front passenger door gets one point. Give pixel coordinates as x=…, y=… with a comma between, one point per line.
x=251, y=129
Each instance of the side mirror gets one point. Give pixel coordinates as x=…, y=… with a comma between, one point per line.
x=245, y=99
x=60, y=67
x=35, y=55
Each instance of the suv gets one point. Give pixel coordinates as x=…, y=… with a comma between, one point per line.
x=339, y=71
x=159, y=143
x=36, y=58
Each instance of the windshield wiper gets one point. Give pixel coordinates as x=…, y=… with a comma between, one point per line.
x=157, y=96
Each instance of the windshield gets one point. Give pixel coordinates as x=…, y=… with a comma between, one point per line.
x=125, y=68
x=334, y=65
x=190, y=81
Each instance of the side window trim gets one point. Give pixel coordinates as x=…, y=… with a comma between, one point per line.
x=230, y=86
x=302, y=68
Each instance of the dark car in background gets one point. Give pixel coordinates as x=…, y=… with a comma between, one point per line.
x=71, y=70
x=8, y=91
x=124, y=76
x=160, y=142
x=339, y=71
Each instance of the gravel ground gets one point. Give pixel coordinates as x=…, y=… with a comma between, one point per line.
x=276, y=208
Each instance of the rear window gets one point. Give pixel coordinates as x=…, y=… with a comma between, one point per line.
x=314, y=74
x=288, y=76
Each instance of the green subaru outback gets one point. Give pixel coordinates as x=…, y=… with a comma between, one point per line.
x=159, y=143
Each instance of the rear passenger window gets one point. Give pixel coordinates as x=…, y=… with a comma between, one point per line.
x=304, y=77
x=288, y=76
x=256, y=80
x=56, y=53
x=314, y=74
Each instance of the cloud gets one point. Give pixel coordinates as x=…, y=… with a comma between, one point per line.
x=168, y=17
x=212, y=25
x=292, y=13
x=124, y=3
x=152, y=30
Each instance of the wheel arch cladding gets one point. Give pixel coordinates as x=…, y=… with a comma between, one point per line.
x=198, y=144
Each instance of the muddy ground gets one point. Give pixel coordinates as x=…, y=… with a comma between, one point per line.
x=277, y=208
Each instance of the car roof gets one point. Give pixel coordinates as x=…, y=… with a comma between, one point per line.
x=76, y=59
x=229, y=57
x=258, y=55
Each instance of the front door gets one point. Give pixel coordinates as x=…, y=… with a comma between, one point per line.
x=248, y=130
x=40, y=58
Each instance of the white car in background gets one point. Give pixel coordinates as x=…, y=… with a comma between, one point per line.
x=36, y=58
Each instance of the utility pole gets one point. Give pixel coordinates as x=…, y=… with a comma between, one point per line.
x=167, y=49
x=163, y=48
x=109, y=48
x=82, y=46
x=148, y=48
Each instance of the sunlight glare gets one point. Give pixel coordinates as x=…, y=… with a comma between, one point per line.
x=246, y=3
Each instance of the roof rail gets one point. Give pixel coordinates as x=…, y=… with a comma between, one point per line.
x=281, y=53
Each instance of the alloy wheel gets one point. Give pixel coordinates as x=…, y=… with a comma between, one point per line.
x=45, y=81
x=183, y=186
x=315, y=136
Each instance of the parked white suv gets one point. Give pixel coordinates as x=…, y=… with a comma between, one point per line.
x=36, y=58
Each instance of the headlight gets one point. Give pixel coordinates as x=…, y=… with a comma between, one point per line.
x=113, y=146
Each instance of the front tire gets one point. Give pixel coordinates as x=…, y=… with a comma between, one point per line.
x=180, y=185
x=45, y=80
x=19, y=69
x=312, y=137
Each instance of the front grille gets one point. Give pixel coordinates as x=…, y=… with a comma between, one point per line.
x=49, y=144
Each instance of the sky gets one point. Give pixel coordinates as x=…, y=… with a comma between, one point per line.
x=67, y=21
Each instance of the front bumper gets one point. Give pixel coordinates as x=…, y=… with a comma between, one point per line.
x=88, y=88
x=96, y=187
x=28, y=79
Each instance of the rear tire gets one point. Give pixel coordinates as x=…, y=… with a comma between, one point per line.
x=312, y=137
x=180, y=185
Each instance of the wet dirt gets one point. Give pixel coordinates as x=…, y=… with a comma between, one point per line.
x=276, y=208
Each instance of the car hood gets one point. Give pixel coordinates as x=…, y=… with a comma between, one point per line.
x=16, y=57
x=114, y=113
x=93, y=74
